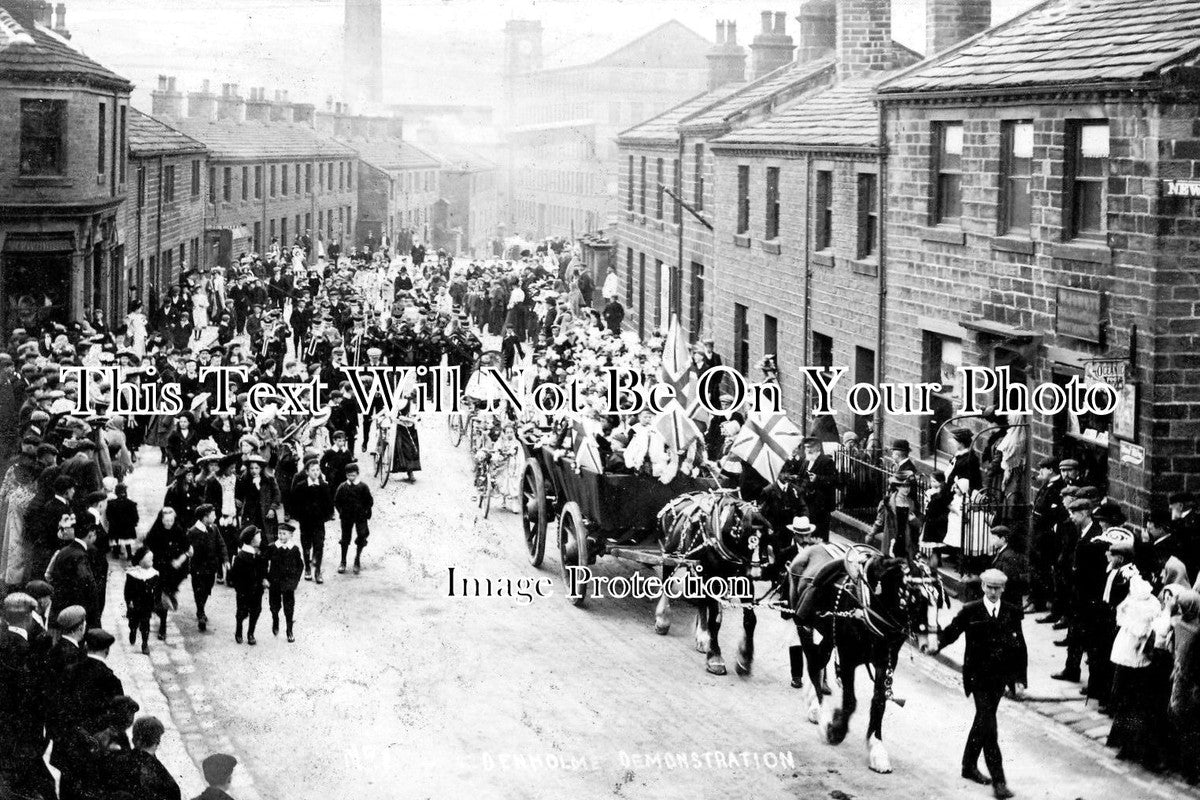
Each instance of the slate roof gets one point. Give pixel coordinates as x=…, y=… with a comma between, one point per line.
x=458, y=157
x=665, y=126
x=843, y=116
x=260, y=141
x=786, y=77
x=30, y=50
x=150, y=136
x=392, y=154
x=619, y=50
x=1065, y=42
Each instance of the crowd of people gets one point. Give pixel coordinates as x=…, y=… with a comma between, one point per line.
x=248, y=495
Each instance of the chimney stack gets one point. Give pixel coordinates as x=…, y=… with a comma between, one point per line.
x=60, y=21
x=864, y=37
x=202, y=104
x=772, y=48
x=818, y=30
x=281, y=109
x=165, y=101
x=46, y=15
x=727, y=59
x=231, y=106
x=257, y=107
x=304, y=114
x=948, y=22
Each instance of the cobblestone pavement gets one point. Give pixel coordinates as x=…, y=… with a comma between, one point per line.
x=394, y=689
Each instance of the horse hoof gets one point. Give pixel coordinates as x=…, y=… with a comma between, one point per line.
x=877, y=757
x=715, y=666
x=742, y=667
x=701, y=647
x=662, y=628
x=814, y=712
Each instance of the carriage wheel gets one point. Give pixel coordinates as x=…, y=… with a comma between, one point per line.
x=572, y=546
x=455, y=421
x=533, y=511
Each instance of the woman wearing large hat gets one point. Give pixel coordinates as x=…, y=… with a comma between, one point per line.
x=258, y=498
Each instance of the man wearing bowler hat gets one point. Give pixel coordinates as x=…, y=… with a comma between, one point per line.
x=900, y=457
x=995, y=660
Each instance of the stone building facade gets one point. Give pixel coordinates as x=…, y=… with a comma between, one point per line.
x=272, y=175
x=164, y=217
x=63, y=175
x=563, y=120
x=398, y=190
x=1041, y=220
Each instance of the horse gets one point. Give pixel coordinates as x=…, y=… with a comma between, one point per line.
x=726, y=538
x=868, y=607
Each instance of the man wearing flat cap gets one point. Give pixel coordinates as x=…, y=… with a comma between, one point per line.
x=1088, y=564
x=87, y=691
x=218, y=774
x=22, y=715
x=995, y=659
x=1048, y=514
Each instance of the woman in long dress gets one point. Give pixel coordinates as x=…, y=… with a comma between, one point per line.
x=16, y=493
x=406, y=454
x=199, y=310
x=136, y=326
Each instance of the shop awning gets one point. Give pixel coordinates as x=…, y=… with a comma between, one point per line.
x=26, y=243
x=1000, y=330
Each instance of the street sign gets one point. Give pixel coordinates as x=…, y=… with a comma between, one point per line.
x=1078, y=314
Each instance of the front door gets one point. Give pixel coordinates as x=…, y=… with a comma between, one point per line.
x=36, y=288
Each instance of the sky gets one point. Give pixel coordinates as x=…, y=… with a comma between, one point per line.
x=435, y=51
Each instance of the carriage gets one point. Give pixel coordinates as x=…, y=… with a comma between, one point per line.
x=593, y=514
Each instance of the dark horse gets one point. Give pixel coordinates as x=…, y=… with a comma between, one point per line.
x=724, y=537
x=867, y=608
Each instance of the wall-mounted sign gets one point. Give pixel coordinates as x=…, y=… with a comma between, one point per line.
x=1111, y=371
x=1132, y=454
x=1181, y=188
x=1124, y=418
x=1079, y=314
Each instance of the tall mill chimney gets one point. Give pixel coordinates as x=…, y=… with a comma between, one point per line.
x=772, y=47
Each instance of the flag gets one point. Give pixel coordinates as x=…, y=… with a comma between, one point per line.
x=765, y=442
x=676, y=427
x=587, y=452
x=678, y=371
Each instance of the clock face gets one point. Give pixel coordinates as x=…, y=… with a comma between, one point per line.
x=525, y=47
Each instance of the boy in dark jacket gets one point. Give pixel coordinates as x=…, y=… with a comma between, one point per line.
x=353, y=501
x=248, y=575
x=284, y=567
x=208, y=561
x=122, y=515
x=311, y=506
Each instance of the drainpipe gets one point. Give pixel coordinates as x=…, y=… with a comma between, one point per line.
x=262, y=224
x=158, y=225
x=676, y=291
x=881, y=342
x=804, y=419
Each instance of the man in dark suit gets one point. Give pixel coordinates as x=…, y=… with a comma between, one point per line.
x=820, y=486
x=1046, y=548
x=311, y=502
x=1089, y=563
x=71, y=574
x=138, y=771
x=42, y=525
x=995, y=660
x=900, y=452
x=22, y=718
x=1012, y=563
x=87, y=690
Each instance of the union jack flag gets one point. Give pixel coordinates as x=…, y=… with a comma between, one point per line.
x=679, y=371
x=765, y=442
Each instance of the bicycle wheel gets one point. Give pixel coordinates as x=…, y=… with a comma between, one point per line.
x=485, y=499
x=379, y=455
x=385, y=457
x=455, y=421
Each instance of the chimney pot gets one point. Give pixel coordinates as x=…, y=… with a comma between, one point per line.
x=780, y=22
x=162, y=83
x=720, y=32
x=171, y=83
x=732, y=32
x=772, y=48
x=60, y=22
x=205, y=85
x=766, y=22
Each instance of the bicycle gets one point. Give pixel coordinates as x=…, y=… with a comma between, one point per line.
x=384, y=446
x=457, y=423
